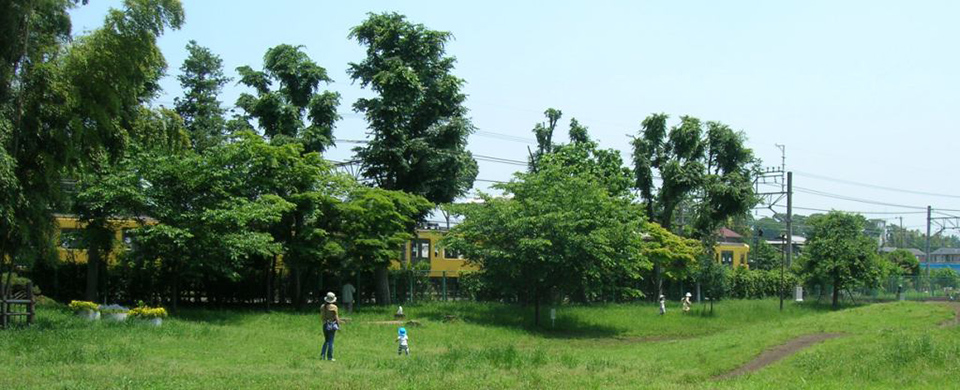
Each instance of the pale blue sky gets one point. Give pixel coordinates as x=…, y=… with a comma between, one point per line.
x=857, y=90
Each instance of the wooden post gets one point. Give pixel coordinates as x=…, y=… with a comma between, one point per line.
x=31, y=305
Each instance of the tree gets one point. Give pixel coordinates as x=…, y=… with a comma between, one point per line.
x=304, y=231
x=113, y=191
x=559, y=232
x=765, y=256
x=280, y=112
x=375, y=222
x=202, y=79
x=713, y=276
x=65, y=105
x=714, y=166
x=905, y=262
x=417, y=119
x=215, y=211
x=840, y=253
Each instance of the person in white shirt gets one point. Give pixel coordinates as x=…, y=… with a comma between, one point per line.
x=346, y=295
x=403, y=340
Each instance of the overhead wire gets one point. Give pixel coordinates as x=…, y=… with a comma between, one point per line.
x=879, y=187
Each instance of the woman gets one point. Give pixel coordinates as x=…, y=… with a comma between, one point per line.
x=330, y=320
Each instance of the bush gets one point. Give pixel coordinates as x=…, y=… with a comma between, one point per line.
x=18, y=282
x=83, y=305
x=754, y=284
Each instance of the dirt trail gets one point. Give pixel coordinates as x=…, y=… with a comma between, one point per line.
x=773, y=355
x=956, y=319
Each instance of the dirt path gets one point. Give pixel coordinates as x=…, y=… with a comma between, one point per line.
x=956, y=319
x=773, y=355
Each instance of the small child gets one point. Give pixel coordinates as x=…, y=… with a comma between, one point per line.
x=686, y=303
x=663, y=305
x=402, y=339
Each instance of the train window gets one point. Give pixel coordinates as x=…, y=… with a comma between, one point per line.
x=726, y=257
x=72, y=239
x=451, y=253
x=420, y=250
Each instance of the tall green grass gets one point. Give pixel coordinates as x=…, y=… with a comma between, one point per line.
x=475, y=345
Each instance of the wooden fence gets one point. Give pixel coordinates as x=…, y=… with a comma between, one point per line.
x=17, y=304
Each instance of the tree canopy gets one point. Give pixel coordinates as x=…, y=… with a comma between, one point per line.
x=840, y=253
x=713, y=166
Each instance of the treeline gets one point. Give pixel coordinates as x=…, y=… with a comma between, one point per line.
x=223, y=202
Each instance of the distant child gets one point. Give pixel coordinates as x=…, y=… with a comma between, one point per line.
x=663, y=305
x=402, y=339
x=686, y=303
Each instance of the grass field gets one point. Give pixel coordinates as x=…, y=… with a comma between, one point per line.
x=895, y=345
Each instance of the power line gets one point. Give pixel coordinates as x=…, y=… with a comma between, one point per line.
x=850, y=182
x=853, y=199
x=855, y=212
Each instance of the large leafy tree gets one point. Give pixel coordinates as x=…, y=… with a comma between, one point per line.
x=288, y=105
x=712, y=166
x=564, y=229
x=66, y=107
x=202, y=79
x=215, y=211
x=114, y=190
x=375, y=222
x=841, y=254
x=417, y=120
x=296, y=112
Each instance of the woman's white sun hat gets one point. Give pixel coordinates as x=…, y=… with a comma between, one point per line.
x=688, y=294
x=330, y=298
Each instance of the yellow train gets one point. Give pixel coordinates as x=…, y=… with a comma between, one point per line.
x=424, y=248
x=70, y=243
x=730, y=249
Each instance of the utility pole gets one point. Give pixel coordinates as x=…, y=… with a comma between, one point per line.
x=927, y=258
x=902, y=237
x=789, y=218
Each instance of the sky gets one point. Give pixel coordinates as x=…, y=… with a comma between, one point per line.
x=857, y=91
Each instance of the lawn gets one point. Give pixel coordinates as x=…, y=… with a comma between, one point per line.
x=894, y=345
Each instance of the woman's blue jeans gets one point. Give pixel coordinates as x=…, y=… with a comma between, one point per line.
x=327, y=351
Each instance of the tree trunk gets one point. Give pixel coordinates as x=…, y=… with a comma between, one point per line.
x=176, y=291
x=93, y=273
x=836, y=294
x=297, y=291
x=383, y=285
x=271, y=266
x=536, y=308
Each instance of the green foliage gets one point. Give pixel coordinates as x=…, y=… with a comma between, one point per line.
x=906, y=262
x=68, y=106
x=752, y=284
x=18, y=282
x=764, y=256
x=417, y=118
x=716, y=165
x=945, y=277
x=376, y=222
x=841, y=254
x=560, y=231
x=280, y=112
x=202, y=79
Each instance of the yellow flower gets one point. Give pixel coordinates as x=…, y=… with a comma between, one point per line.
x=83, y=305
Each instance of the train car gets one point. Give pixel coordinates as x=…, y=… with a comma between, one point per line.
x=70, y=243
x=425, y=248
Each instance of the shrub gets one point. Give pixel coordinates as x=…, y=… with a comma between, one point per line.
x=146, y=312
x=18, y=282
x=83, y=305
